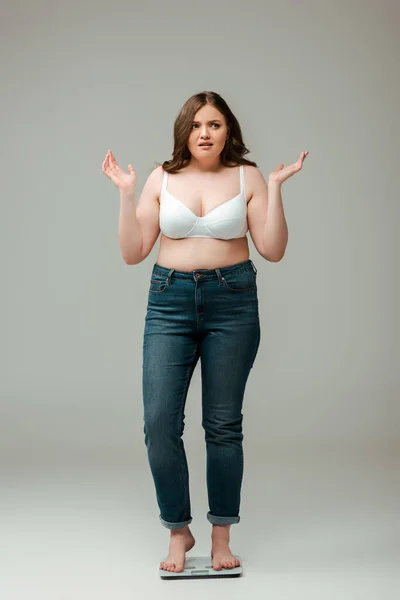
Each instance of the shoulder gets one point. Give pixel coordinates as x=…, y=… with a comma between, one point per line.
x=252, y=172
x=254, y=179
x=156, y=176
x=154, y=181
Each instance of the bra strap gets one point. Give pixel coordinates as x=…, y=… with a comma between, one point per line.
x=242, y=182
x=164, y=182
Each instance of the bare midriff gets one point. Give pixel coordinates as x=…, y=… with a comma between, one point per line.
x=190, y=254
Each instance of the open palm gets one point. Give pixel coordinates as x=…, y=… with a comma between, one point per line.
x=123, y=181
x=281, y=174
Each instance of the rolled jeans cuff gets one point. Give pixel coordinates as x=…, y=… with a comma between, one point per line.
x=175, y=525
x=222, y=520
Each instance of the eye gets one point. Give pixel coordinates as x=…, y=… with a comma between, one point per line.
x=217, y=125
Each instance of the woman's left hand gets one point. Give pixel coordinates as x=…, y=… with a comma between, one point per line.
x=281, y=174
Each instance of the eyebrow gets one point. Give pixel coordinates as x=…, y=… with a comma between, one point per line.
x=212, y=121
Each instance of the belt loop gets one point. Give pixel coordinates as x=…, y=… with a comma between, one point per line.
x=218, y=272
x=253, y=265
x=169, y=276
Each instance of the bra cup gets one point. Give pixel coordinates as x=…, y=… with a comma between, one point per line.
x=228, y=229
x=226, y=221
x=174, y=224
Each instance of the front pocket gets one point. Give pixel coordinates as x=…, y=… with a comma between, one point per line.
x=243, y=282
x=157, y=286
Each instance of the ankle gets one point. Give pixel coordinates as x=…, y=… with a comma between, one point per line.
x=181, y=531
x=221, y=532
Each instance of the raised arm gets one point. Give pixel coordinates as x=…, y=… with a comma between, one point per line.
x=138, y=227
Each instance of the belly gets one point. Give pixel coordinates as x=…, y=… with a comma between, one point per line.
x=190, y=254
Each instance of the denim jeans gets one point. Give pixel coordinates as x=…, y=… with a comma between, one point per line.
x=211, y=314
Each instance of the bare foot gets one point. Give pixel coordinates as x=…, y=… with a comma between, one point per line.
x=181, y=541
x=221, y=555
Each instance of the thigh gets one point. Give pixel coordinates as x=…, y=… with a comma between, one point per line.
x=170, y=354
x=227, y=356
x=231, y=338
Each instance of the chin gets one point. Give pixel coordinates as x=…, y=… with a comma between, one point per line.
x=214, y=150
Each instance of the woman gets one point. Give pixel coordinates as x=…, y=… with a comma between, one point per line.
x=202, y=303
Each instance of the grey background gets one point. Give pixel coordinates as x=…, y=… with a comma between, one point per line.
x=321, y=413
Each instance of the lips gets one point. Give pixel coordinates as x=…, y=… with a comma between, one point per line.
x=205, y=144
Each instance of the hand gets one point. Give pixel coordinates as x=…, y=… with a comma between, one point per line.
x=124, y=181
x=281, y=174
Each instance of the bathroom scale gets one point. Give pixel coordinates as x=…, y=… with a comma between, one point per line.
x=200, y=567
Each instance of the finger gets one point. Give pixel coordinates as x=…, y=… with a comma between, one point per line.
x=111, y=162
x=108, y=160
x=302, y=158
x=107, y=171
x=104, y=166
x=107, y=166
x=114, y=165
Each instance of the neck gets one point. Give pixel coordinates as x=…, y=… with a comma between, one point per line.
x=205, y=165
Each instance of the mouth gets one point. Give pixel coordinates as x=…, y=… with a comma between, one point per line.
x=205, y=145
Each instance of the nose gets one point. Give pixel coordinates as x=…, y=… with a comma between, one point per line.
x=204, y=133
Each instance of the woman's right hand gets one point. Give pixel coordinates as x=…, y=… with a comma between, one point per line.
x=125, y=182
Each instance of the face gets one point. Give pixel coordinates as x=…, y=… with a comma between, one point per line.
x=208, y=127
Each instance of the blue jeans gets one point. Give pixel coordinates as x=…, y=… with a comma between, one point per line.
x=211, y=314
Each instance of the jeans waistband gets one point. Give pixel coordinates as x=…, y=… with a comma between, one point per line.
x=207, y=274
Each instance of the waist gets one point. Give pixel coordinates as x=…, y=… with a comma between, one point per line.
x=190, y=254
x=206, y=274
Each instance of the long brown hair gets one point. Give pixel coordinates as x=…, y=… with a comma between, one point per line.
x=234, y=149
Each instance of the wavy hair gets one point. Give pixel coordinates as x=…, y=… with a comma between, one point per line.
x=234, y=149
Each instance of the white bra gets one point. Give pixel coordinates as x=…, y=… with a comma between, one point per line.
x=226, y=221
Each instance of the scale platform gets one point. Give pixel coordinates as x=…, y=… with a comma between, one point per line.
x=200, y=567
